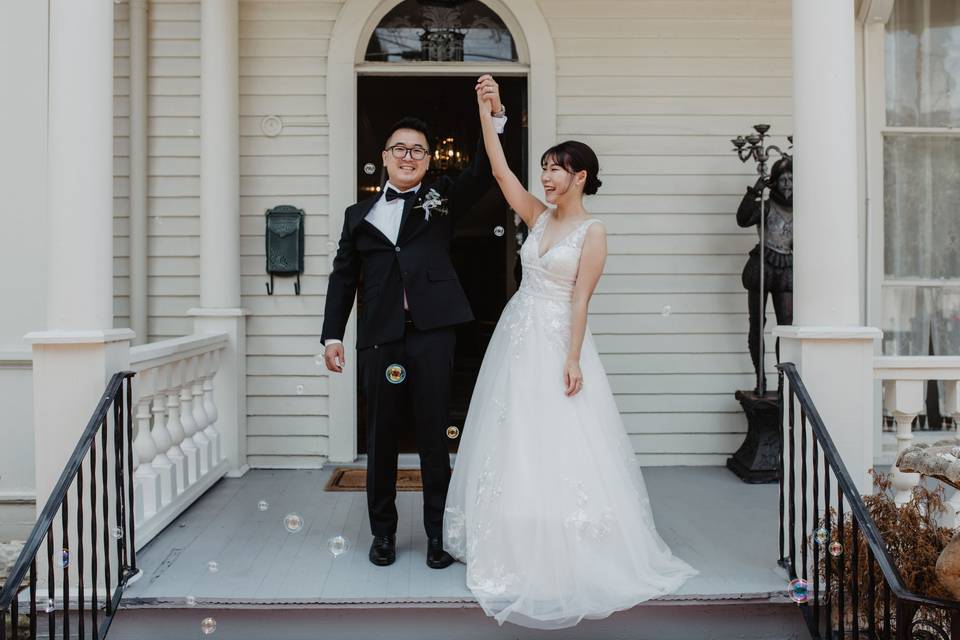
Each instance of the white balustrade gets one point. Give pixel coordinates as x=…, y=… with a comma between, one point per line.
x=177, y=441
x=904, y=382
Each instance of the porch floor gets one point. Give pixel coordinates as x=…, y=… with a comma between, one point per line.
x=724, y=528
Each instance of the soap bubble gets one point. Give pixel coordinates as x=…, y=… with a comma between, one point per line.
x=51, y=606
x=453, y=432
x=338, y=546
x=208, y=626
x=498, y=231
x=263, y=505
x=835, y=548
x=213, y=567
x=64, y=558
x=667, y=310
x=318, y=360
x=293, y=522
x=799, y=590
x=191, y=601
x=116, y=533
x=396, y=374
x=299, y=389
x=821, y=535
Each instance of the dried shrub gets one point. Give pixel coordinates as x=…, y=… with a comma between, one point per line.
x=914, y=540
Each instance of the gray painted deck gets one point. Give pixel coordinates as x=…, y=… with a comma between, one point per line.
x=723, y=527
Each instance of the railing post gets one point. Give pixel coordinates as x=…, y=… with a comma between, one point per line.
x=904, y=400
x=189, y=407
x=146, y=475
x=169, y=403
x=205, y=387
x=185, y=412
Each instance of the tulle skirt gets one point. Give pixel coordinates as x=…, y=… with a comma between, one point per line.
x=547, y=505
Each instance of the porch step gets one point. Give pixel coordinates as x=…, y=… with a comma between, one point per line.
x=661, y=620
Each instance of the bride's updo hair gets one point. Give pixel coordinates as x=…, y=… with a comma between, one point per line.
x=575, y=157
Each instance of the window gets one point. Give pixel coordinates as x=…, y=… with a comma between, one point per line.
x=441, y=31
x=921, y=155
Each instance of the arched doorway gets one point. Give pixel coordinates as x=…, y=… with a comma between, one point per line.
x=363, y=64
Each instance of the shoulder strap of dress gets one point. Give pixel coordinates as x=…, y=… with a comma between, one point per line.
x=541, y=219
x=581, y=232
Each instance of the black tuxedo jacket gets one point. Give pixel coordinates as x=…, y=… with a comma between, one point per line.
x=419, y=263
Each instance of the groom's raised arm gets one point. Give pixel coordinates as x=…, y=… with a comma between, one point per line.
x=341, y=286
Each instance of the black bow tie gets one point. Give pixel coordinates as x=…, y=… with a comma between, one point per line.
x=393, y=194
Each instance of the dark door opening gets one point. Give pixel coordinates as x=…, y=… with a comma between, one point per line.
x=484, y=250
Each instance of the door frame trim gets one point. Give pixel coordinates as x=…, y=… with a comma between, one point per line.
x=351, y=32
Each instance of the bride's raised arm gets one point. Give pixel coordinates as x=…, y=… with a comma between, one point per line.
x=524, y=203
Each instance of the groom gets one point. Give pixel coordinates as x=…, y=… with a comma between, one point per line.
x=395, y=247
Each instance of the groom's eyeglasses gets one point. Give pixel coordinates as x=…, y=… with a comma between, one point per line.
x=400, y=152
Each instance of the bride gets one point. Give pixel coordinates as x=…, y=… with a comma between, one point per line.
x=547, y=505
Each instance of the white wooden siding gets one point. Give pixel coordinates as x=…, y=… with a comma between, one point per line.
x=657, y=88
x=283, y=49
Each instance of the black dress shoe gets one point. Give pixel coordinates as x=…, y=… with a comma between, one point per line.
x=437, y=558
x=383, y=550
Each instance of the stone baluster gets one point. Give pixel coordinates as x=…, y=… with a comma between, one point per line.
x=171, y=377
x=161, y=462
x=209, y=406
x=189, y=405
x=904, y=400
x=185, y=403
x=146, y=476
x=199, y=413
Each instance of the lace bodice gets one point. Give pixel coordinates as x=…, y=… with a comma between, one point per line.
x=553, y=274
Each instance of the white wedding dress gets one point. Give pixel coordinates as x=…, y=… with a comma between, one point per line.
x=547, y=505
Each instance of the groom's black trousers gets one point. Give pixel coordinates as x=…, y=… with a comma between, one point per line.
x=423, y=398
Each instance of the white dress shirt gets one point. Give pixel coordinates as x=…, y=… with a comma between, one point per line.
x=386, y=216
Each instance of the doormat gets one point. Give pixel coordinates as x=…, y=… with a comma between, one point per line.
x=353, y=479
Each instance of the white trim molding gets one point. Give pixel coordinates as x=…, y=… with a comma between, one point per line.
x=351, y=32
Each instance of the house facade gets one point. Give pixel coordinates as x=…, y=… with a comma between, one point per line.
x=223, y=109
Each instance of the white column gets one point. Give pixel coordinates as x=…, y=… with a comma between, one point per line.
x=80, y=166
x=79, y=350
x=219, y=155
x=826, y=286
x=220, y=221
x=138, y=168
x=831, y=349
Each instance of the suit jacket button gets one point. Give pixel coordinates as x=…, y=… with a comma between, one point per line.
x=397, y=249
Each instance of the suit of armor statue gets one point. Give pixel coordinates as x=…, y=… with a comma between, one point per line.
x=778, y=254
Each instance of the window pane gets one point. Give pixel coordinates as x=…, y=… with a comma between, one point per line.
x=441, y=31
x=921, y=207
x=923, y=64
x=920, y=319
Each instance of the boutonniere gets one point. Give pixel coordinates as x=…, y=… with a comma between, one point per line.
x=432, y=202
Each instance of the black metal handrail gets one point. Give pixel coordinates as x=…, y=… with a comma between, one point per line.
x=892, y=616
x=114, y=535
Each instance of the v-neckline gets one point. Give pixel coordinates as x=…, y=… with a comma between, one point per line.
x=543, y=231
